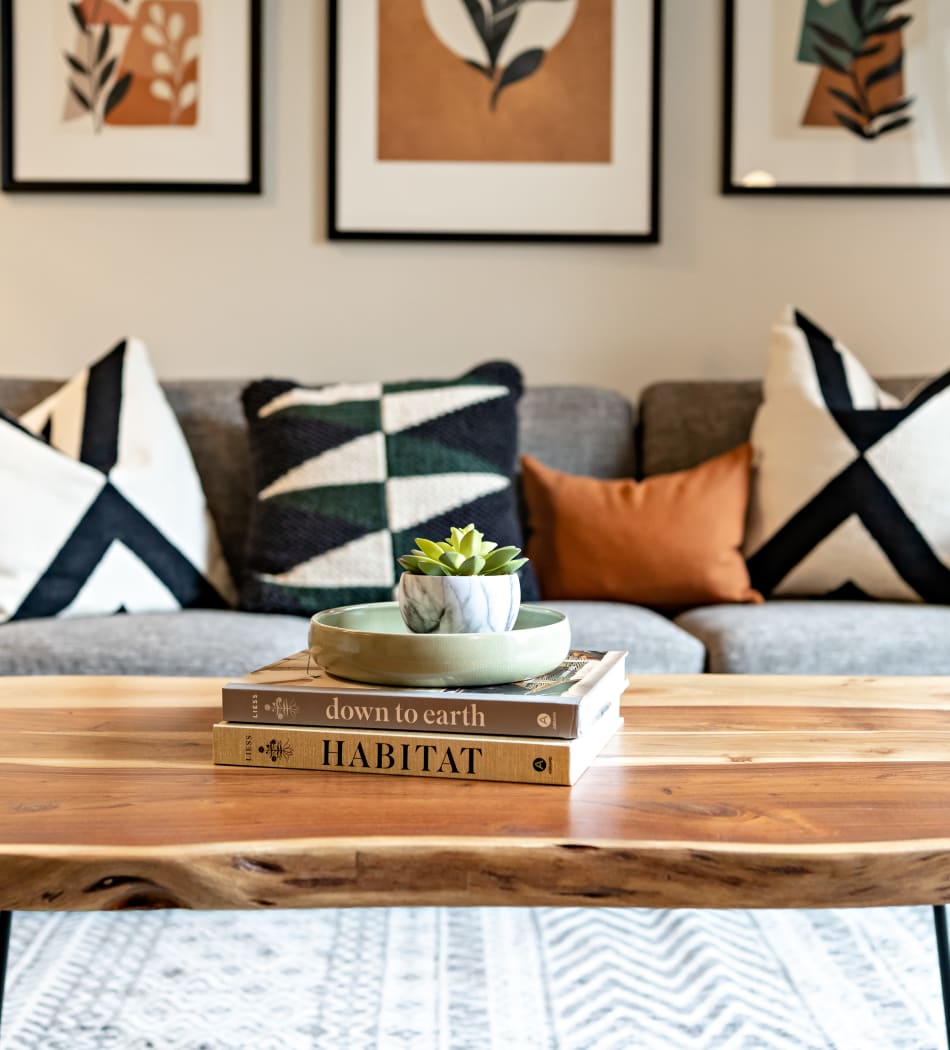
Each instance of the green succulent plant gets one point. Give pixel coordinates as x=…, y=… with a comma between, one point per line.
x=465, y=552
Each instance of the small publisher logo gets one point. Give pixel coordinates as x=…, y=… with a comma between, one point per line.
x=540, y=765
x=544, y=720
x=275, y=749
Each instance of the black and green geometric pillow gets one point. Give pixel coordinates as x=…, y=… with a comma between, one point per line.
x=347, y=475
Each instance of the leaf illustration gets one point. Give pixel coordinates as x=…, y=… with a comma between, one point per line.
x=851, y=125
x=161, y=89
x=104, y=41
x=119, y=90
x=894, y=26
x=176, y=26
x=477, y=15
x=80, y=97
x=886, y=5
x=849, y=100
x=161, y=63
x=107, y=70
x=518, y=68
x=79, y=16
x=75, y=63
x=885, y=72
x=895, y=124
x=871, y=49
x=157, y=13
x=188, y=95
x=894, y=107
x=830, y=61
x=154, y=36
x=828, y=37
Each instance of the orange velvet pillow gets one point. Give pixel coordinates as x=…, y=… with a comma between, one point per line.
x=669, y=541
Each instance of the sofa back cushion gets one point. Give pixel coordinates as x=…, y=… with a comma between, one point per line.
x=684, y=422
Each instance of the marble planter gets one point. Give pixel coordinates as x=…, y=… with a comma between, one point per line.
x=459, y=604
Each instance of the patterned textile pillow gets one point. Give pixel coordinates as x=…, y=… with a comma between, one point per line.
x=103, y=508
x=851, y=489
x=348, y=475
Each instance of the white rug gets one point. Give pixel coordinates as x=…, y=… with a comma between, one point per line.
x=474, y=979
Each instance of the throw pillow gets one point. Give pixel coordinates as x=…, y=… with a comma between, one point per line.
x=104, y=507
x=347, y=475
x=851, y=489
x=671, y=540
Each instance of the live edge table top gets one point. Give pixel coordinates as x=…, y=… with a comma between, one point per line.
x=720, y=791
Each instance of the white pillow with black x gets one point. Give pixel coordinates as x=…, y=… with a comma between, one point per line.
x=102, y=507
x=851, y=488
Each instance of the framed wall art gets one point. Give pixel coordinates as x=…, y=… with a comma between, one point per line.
x=494, y=119
x=837, y=96
x=131, y=95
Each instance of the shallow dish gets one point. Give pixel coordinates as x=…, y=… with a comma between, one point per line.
x=370, y=643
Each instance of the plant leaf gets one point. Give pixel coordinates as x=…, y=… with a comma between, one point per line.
x=830, y=61
x=119, y=90
x=885, y=72
x=518, y=68
x=500, y=556
x=894, y=26
x=508, y=569
x=895, y=124
x=894, y=107
x=472, y=566
x=107, y=70
x=75, y=63
x=849, y=100
x=851, y=125
x=80, y=97
x=453, y=559
x=104, y=40
x=79, y=16
x=429, y=549
x=830, y=38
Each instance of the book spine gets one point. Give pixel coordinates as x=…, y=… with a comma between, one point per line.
x=396, y=754
x=443, y=714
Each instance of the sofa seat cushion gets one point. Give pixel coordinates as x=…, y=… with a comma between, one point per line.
x=654, y=644
x=812, y=637
x=189, y=642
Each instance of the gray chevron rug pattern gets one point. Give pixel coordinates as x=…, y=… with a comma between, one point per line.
x=474, y=979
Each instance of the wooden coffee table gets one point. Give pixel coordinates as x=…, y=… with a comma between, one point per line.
x=720, y=792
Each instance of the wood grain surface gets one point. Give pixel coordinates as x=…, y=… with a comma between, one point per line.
x=720, y=791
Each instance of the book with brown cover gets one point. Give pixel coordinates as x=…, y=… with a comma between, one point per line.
x=562, y=703
x=460, y=756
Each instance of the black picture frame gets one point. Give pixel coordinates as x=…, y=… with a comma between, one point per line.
x=246, y=181
x=803, y=174
x=339, y=229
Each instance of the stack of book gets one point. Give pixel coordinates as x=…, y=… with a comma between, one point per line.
x=544, y=730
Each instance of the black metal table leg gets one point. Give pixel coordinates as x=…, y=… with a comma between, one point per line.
x=943, y=957
x=5, y=920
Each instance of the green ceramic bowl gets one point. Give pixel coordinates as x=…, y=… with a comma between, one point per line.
x=370, y=643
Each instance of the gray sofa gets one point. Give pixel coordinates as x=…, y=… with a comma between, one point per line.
x=579, y=429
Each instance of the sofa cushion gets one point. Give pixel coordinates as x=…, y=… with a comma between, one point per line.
x=348, y=475
x=654, y=644
x=809, y=637
x=850, y=486
x=110, y=513
x=669, y=541
x=189, y=642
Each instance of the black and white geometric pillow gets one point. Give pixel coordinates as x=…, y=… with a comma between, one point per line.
x=347, y=475
x=103, y=510
x=851, y=488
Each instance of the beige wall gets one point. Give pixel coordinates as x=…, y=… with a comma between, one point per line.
x=250, y=286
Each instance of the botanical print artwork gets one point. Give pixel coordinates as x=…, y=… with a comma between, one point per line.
x=133, y=62
x=858, y=48
x=495, y=80
x=504, y=40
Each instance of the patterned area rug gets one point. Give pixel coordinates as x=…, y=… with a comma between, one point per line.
x=474, y=979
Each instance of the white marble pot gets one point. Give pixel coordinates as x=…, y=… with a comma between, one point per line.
x=459, y=604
